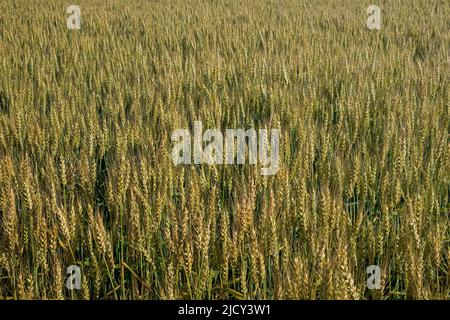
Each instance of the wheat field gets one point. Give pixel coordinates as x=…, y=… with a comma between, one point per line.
x=86, y=176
